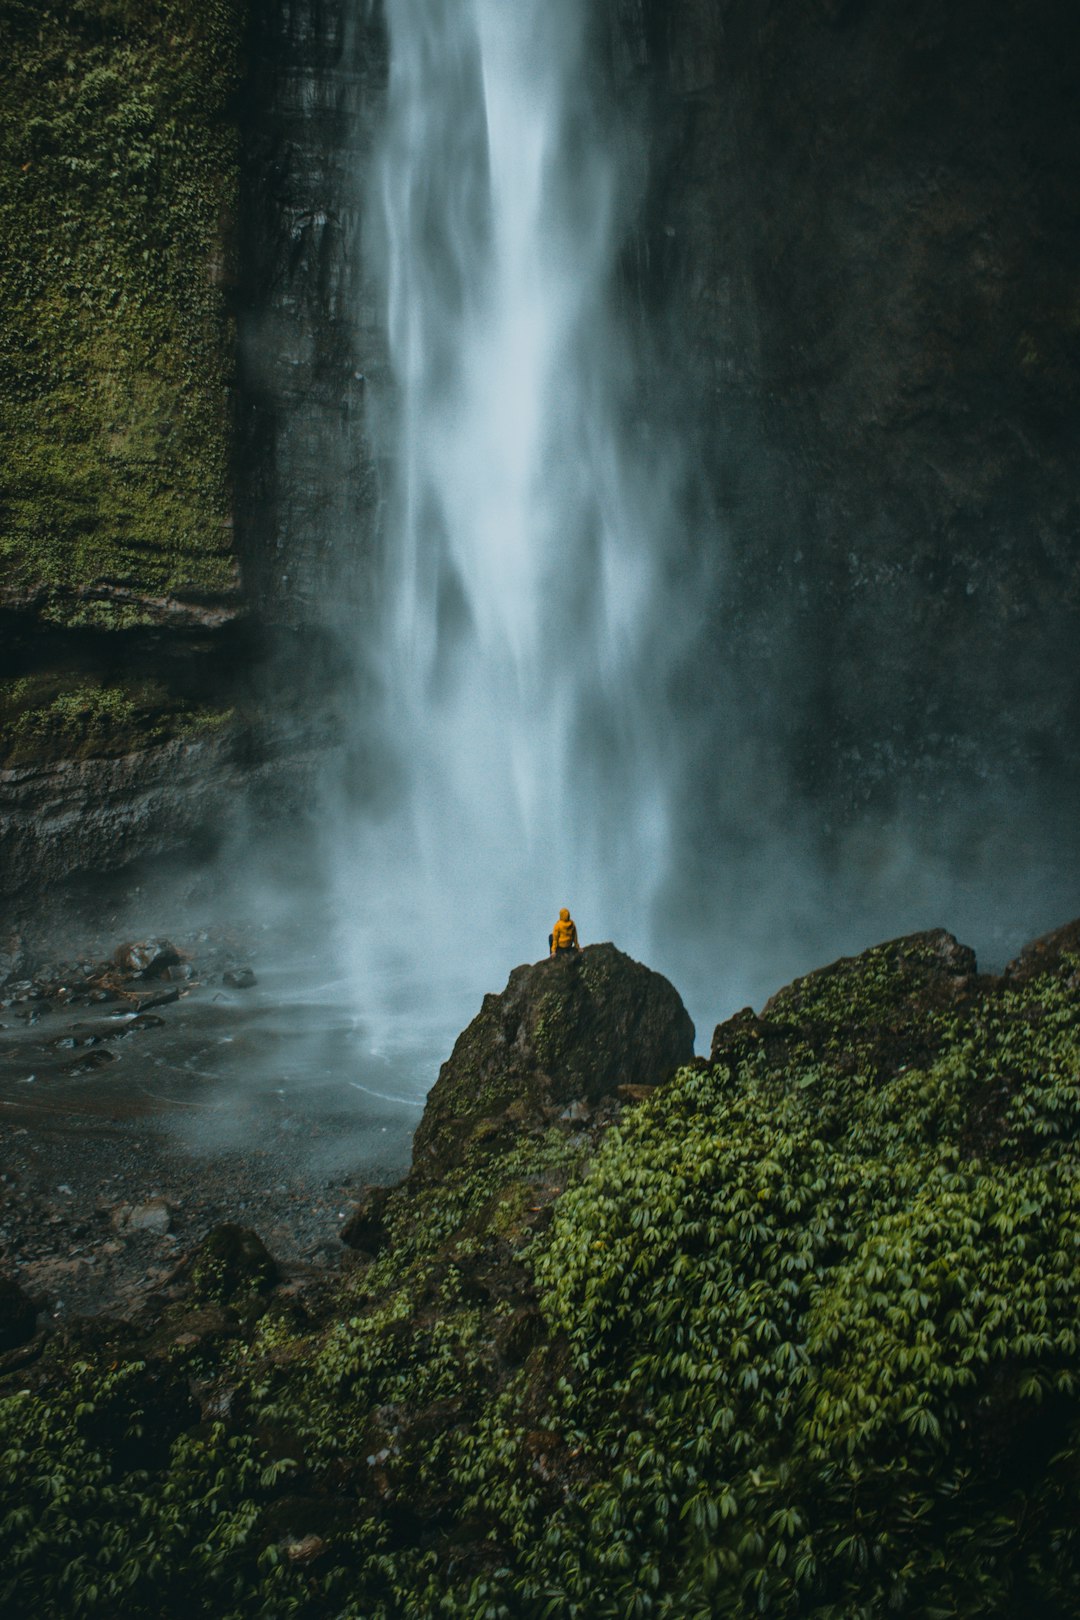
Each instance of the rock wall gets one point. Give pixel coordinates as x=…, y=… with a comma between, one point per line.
x=182, y=372
x=310, y=333
x=860, y=246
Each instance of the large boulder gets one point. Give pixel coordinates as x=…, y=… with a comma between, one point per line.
x=572, y=1028
x=882, y=1007
x=1047, y=954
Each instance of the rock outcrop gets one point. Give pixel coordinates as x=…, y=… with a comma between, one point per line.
x=570, y=1029
x=884, y=1000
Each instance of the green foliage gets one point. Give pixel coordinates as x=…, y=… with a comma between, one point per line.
x=51, y=716
x=83, y=1533
x=808, y=1348
x=118, y=173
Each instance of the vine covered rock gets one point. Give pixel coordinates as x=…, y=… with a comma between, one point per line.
x=571, y=1028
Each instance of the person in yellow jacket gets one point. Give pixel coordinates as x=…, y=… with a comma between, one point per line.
x=563, y=936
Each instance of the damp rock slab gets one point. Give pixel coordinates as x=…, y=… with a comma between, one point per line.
x=568, y=1029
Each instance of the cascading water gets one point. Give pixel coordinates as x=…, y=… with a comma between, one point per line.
x=519, y=605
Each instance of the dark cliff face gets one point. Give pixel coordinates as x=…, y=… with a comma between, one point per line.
x=310, y=330
x=860, y=245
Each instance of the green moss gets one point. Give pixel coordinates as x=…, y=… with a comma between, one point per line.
x=54, y=716
x=118, y=173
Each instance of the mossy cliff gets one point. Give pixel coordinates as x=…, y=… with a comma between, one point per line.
x=795, y=1333
x=127, y=635
x=118, y=184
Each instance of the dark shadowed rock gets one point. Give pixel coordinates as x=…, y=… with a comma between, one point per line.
x=566, y=1030
x=365, y=1230
x=231, y=1261
x=18, y=1314
x=1045, y=955
x=239, y=978
x=147, y=958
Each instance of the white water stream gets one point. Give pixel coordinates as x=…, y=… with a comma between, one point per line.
x=521, y=605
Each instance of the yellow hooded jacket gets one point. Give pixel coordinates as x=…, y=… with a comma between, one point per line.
x=564, y=933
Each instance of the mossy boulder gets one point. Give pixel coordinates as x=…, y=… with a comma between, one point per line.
x=1051, y=953
x=570, y=1028
x=869, y=1014
x=232, y=1261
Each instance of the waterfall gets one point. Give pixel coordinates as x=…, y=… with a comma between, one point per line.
x=520, y=609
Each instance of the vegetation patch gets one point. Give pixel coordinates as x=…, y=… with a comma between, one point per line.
x=52, y=716
x=118, y=175
x=792, y=1337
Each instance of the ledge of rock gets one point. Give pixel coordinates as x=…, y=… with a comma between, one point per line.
x=568, y=1029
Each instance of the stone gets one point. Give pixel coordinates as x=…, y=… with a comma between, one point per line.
x=566, y=1030
x=365, y=1229
x=579, y=1113
x=18, y=1314
x=140, y=1003
x=306, y=1550
x=146, y=959
x=14, y=958
x=154, y=1216
x=232, y=1261
x=1045, y=954
x=635, y=1094
x=99, y=1058
x=239, y=978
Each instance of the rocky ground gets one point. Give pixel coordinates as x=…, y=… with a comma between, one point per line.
x=100, y=1196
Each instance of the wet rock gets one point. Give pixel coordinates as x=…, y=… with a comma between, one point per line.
x=564, y=1030
x=179, y=973
x=239, y=978
x=209, y=1325
x=578, y=1113
x=99, y=1058
x=18, y=1315
x=365, y=1230
x=147, y=958
x=154, y=1216
x=14, y=958
x=232, y=1261
x=140, y=1003
x=635, y=1094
